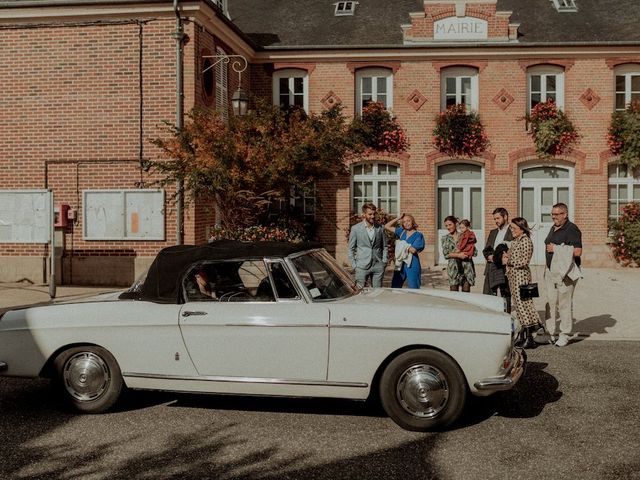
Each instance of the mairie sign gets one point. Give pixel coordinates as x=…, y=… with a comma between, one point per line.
x=460, y=28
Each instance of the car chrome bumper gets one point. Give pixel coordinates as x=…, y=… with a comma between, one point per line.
x=3, y=366
x=510, y=376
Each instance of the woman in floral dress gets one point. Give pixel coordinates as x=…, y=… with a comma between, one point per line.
x=518, y=273
x=460, y=268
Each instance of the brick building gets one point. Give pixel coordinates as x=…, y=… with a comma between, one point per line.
x=88, y=83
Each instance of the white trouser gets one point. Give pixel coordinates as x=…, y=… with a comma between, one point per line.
x=559, y=306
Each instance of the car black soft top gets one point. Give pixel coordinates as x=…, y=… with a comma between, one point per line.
x=165, y=273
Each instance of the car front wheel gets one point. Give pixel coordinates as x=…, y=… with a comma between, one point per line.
x=89, y=378
x=423, y=390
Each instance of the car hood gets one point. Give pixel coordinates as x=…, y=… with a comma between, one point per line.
x=422, y=309
x=427, y=297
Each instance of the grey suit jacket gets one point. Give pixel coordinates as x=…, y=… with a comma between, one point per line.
x=362, y=252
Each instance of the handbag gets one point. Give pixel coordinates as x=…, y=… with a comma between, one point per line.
x=529, y=290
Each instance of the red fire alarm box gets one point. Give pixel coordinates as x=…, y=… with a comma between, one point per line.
x=60, y=213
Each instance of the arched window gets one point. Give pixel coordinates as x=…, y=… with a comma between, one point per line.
x=291, y=89
x=459, y=85
x=545, y=82
x=374, y=85
x=627, y=85
x=376, y=182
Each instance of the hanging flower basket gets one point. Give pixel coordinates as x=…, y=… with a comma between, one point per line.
x=378, y=130
x=552, y=131
x=458, y=133
x=624, y=135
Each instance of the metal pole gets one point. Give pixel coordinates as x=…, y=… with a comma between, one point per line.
x=52, y=249
x=179, y=37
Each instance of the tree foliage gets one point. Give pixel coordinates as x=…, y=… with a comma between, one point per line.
x=249, y=161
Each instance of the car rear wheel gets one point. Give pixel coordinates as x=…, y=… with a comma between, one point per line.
x=89, y=378
x=423, y=390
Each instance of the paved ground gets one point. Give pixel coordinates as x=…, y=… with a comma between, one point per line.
x=574, y=416
x=606, y=301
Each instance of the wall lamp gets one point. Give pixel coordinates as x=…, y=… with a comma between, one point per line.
x=239, y=99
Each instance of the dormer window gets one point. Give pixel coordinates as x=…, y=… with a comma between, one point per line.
x=345, y=8
x=565, y=5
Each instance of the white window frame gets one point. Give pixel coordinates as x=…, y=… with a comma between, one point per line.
x=123, y=193
x=545, y=71
x=375, y=178
x=374, y=73
x=628, y=181
x=222, y=85
x=345, y=8
x=626, y=71
x=565, y=5
x=459, y=73
x=291, y=74
x=306, y=200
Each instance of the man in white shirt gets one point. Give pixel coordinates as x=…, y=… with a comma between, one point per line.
x=494, y=274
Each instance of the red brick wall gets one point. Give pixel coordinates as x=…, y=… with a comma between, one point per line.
x=511, y=146
x=72, y=100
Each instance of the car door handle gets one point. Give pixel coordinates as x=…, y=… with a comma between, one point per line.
x=188, y=313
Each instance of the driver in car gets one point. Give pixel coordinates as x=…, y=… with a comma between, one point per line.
x=202, y=280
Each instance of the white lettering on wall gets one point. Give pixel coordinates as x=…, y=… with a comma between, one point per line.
x=460, y=28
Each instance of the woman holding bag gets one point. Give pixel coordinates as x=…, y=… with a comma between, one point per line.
x=409, y=270
x=517, y=260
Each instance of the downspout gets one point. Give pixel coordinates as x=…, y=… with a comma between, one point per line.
x=179, y=35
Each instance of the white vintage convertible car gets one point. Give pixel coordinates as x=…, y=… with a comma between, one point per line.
x=268, y=319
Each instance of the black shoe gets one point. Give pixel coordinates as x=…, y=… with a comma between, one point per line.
x=528, y=339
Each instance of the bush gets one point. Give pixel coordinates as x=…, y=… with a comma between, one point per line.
x=624, y=134
x=284, y=230
x=552, y=131
x=626, y=236
x=458, y=133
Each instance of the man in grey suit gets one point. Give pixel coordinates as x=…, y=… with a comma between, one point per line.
x=368, y=248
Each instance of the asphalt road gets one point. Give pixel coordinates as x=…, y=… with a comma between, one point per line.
x=575, y=415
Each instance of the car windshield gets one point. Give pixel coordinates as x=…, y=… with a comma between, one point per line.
x=322, y=276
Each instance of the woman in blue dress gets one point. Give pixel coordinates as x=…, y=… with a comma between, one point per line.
x=408, y=232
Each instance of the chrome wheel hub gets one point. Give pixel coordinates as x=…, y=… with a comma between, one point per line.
x=86, y=376
x=423, y=391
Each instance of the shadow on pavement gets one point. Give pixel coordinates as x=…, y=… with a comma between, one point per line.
x=314, y=406
x=596, y=324
x=527, y=399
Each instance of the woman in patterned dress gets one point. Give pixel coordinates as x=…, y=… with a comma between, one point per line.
x=460, y=268
x=518, y=273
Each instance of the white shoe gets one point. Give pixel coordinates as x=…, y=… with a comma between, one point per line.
x=563, y=341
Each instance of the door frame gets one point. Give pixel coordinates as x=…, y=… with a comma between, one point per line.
x=538, y=227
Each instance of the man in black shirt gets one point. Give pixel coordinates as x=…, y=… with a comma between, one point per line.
x=560, y=292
